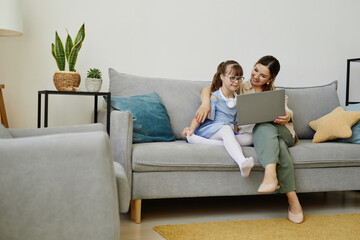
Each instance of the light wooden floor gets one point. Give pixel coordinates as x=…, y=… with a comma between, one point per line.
x=189, y=210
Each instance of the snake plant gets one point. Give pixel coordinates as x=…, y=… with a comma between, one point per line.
x=70, y=53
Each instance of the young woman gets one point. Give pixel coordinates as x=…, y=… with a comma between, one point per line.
x=220, y=129
x=271, y=140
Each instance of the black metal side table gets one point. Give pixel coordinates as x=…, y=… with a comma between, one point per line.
x=95, y=94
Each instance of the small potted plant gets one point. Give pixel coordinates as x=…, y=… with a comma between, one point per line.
x=67, y=80
x=93, y=81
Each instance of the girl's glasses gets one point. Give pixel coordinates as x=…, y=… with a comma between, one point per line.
x=233, y=79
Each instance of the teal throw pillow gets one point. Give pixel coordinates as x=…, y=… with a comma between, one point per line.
x=355, y=137
x=151, y=121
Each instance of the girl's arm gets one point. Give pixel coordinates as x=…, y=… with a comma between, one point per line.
x=204, y=110
x=194, y=124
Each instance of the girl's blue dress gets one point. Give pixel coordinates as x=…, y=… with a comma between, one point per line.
x=220, y=115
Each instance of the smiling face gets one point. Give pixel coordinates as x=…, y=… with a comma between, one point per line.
x=260, y=76
x=224, y=73
x=264, y=73
x=229, y=77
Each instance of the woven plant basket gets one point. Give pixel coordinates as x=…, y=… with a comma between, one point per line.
x=66, y=81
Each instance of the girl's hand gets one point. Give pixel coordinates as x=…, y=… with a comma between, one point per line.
x=203, y=112
x=186, y=130
x=236, y=128
x=283, y=119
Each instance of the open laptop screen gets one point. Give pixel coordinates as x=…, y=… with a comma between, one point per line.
x=260, y=107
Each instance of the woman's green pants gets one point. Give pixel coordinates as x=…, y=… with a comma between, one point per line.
x=271, y=142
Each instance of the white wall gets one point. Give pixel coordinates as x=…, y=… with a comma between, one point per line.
x=175, y=39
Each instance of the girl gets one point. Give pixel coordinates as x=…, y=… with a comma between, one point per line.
x=219, y=129
x=271, y=140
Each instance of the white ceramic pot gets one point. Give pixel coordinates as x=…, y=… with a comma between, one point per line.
x=93, y=84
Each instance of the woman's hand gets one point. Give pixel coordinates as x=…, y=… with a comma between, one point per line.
x=186, y=130
x=203, y=112
x=283, y=119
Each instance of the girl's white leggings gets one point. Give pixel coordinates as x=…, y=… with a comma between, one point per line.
x=226, y=137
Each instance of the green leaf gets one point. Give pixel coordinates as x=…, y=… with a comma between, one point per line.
x=53, y=50
x=80, y=35
x=54, y=55
x=76, y=48
x=73, y=57
x=68, y=46
x=59, y=53
x=94, y=73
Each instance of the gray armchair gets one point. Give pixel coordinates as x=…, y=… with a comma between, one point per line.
x=60, y=183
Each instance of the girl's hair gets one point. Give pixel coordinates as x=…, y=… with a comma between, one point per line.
x=274, y=67
x=235, y=69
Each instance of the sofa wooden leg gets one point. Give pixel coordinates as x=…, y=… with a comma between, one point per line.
x=132, y=210
x=136, y=210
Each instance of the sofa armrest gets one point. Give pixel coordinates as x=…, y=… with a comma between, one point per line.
x=64, y=183
x=18, y=133
x=121, y=134
x=123, y=188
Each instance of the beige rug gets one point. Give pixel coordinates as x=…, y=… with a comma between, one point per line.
x=325, y=227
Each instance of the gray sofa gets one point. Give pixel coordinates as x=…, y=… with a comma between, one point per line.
x=60, y=183
x=178, y=169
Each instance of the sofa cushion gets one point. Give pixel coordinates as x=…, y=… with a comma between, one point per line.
x=328, y=154
x=181, y=98
x=355, y=137
x=182, y=156
x=310, y=103
x=336, y=124
x=4, y=132
x=151, y=121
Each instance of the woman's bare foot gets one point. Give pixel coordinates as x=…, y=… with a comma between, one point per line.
x=294, y=203
x=270, y=175
x=270, y=182
x=295, y=213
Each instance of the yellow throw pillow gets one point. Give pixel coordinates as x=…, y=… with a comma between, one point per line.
x=336, y=124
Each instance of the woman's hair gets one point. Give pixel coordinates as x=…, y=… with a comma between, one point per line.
x=274, y=67
x=235, y=69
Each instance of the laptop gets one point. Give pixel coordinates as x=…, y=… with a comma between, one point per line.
x=260, y=107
